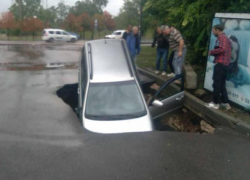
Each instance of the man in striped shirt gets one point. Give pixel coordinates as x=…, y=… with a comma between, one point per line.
x=176, y=43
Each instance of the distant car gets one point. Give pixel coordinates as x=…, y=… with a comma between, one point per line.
x=51, y=35
x=110, y=96
x=75, y=34
x=116, y=34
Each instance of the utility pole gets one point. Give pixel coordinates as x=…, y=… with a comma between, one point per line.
x=47, y=4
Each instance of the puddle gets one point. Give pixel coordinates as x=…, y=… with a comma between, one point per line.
x=182, y=121
x=27, y=52
x=36, y=67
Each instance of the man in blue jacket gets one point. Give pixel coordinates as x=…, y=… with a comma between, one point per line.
x=134, y=42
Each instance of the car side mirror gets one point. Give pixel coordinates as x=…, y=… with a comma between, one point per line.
x=157, y=103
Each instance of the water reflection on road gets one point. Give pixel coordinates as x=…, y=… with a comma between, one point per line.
x=38, y=57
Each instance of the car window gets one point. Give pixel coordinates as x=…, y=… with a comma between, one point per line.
x=169, y=91
x=64, y=33
x=58, y=32
x=116, y=33
x=51, y=32
x=84, y=73
x=114, y=101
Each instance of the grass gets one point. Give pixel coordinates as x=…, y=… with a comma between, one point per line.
x=147, y=57
x=4, y=37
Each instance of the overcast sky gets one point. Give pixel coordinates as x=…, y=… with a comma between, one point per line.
x=113, y=6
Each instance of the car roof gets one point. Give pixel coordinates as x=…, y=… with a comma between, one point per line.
x=54, y=30
x=109, y=61
x=118, y=30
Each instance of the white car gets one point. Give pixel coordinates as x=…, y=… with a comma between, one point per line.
x=51, y=35
x=110, y=96
x=116, y=35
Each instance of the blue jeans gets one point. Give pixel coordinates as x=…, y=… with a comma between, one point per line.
x=178, y=61
x=162, y=54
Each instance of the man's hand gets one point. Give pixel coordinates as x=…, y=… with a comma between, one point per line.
x=152, y=45
x=180, y=54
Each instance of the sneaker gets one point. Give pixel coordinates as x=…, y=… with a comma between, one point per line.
x=226, y=106
x=163, y=73
x=157, y=72
x=171, y=75
x=212, y=105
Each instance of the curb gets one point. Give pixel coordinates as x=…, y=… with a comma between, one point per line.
x=214, y=117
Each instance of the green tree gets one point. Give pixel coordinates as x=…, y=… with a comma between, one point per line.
x=25, y=8
x=89, y=7
x=193, y=18
x=130, y=15
x=49, y=16
x=100, y=3
x=62, y=11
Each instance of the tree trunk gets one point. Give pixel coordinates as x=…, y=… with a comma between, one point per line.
x=93, y=33
x=8, y=34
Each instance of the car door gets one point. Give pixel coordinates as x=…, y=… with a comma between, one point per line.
x=82, y=78
x=58, y=36
x=167, y=99
x=66, y=36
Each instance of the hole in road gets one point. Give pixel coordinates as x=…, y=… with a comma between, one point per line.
x=181, y=120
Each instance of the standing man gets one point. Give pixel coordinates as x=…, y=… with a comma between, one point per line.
x=134, y=42
x=127, y=32
x=162, y=51
x=222, y=53
x=176, y=43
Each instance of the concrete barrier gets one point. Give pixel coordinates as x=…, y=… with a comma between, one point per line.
x=190, y=77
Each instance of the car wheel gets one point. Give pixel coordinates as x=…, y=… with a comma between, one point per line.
x=51, y=40
x=73, y=40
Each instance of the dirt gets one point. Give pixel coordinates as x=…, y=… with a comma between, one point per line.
x=186, y=121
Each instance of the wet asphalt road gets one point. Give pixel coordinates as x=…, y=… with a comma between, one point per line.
x=41, y=137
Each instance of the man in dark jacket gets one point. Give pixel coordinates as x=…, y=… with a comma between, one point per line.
x=222, y=53
x=127, y=32
x=162, y=51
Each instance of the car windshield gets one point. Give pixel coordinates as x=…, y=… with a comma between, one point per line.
x=114, y=101
x=116, y=33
